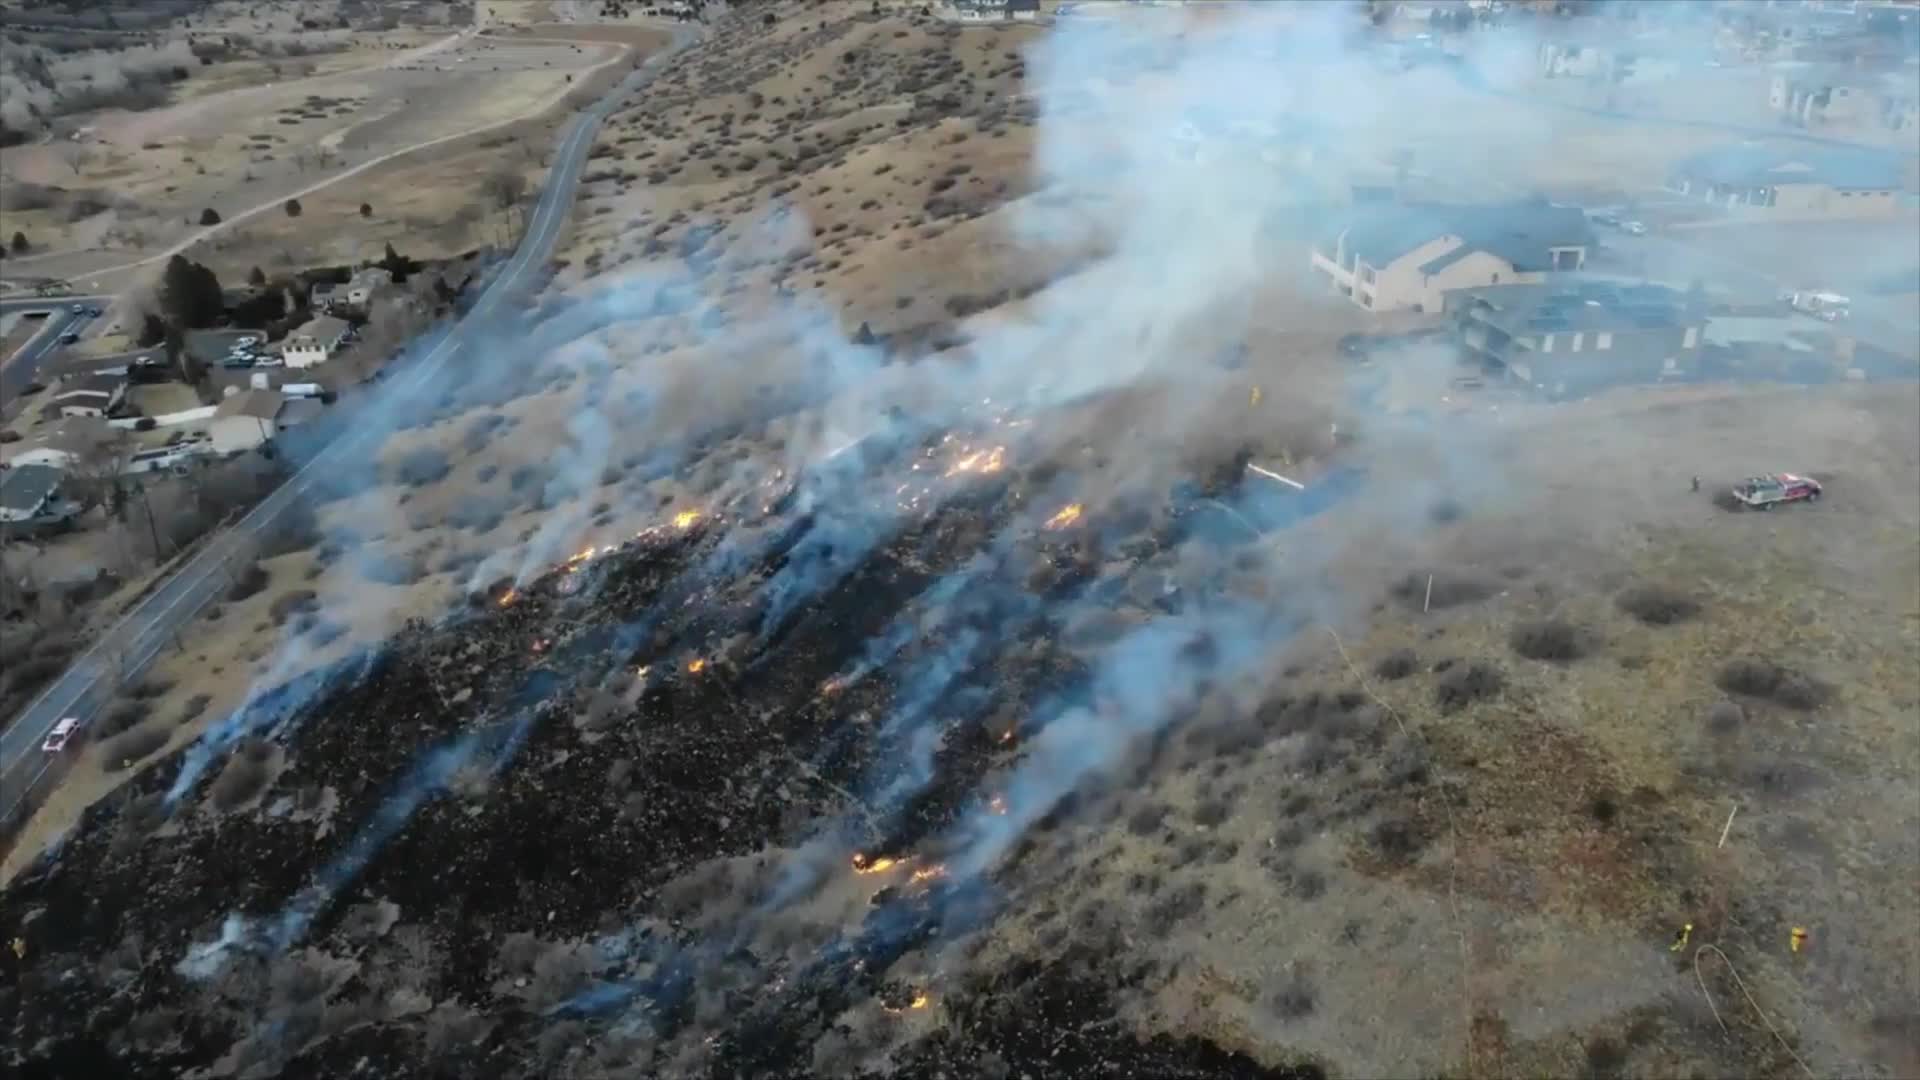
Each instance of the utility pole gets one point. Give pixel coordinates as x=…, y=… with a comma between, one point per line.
x=152, y=529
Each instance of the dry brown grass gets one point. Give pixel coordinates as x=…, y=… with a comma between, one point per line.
x=1288, y=894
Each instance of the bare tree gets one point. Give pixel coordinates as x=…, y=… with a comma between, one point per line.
x=78, y=156
x=391, y=322
x=505, y=187
x=94, y=473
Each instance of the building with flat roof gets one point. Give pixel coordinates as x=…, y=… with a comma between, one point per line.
x=1804, y=181
x=1576, y=336
x=244, y=419
x=31, y=493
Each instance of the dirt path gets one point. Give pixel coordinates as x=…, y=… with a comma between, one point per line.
x=139, y=127
x=200, y=235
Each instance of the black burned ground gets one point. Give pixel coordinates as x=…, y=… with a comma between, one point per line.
x=586, y=888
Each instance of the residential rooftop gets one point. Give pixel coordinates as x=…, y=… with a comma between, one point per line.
x=320, y=328
x=98, y=384
x=1523, y=233
x=1755, y=165
x=258, y=404
x=24, y=487
x=1580, y=305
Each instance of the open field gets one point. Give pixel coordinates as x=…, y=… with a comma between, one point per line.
x=164, y=168
x=838, y=633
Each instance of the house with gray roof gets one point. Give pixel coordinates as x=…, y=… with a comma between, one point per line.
x=1575, y=335
x=31, y=493
x=1407, y=257
x=244, y=419
x=98, y=394
x=1801, y=181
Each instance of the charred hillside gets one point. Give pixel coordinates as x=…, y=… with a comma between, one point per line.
x=681, y=801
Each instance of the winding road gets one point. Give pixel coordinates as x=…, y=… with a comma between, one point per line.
x=129, y=646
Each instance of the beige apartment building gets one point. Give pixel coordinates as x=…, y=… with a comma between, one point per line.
x=1407, y=257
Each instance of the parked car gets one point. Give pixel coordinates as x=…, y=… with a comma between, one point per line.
x=1634, y=228
x=93, y=313
x=69, y=338
x=1767, y=492
x=236, y=362
x=63, y=731
x=1607, y=218
x=79, y=309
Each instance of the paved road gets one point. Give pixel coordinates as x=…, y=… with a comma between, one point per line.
x=125, y=650
x=20, y=369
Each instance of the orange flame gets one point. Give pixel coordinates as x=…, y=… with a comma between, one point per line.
x=980, y=461
x=921, y=999
x=927, y=873
x=862, y=866
x=507, y=598
x=832, y=686
x=1067, y=516
x=695, y=667
x=539, y=645
x=686, y=519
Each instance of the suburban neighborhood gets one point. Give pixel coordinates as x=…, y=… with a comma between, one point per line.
x=203, y=393
x=1234, y=539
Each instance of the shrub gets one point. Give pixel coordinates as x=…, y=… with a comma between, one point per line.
x=286, y=605
x=1767, y=680
x=1397, y=664
x=30, y=675
x=1397, y=841
x=1294, y=998
x=148, y=689
x=1464, y=684
x=251, y=580
x=86, y=206
x=1548, y=639
x=389, y=569
x=124, y=716
x=366, y=211
x=209, y=217
x=195, y=705
x=292, y=207
x=480, y=432
x=244, y=776
x=1658, y=605
x=421, y=466
x=124, y=750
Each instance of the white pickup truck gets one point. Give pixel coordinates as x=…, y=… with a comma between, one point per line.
x=1830, y=306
